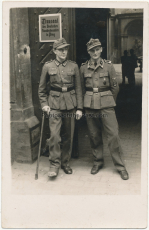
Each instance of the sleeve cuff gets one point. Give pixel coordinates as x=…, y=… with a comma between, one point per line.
x=44, y=104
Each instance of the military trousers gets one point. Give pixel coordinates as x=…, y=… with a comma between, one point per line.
x=61, y=124
x=131, y=80
x=99, y=122
x=131, y=77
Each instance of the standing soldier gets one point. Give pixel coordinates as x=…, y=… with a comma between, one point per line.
x=100, y=90
x=61, y=101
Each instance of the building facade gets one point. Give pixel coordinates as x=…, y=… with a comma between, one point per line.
x=125, y=32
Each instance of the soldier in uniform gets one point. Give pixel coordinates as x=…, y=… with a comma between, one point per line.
x=64, y=96
x=100, y=89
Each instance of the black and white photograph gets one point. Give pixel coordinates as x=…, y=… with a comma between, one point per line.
x=75, y=97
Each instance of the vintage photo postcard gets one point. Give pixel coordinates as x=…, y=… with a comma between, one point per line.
x=75, y=83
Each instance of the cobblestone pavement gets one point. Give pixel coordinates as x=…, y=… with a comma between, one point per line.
x=81, y=182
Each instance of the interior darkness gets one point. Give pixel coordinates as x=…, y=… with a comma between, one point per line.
x=90, y=23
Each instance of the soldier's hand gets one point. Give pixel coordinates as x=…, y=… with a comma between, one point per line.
x=78, y=114
x=46, y=109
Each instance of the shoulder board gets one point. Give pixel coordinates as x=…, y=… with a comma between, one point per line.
x=84, y=63
x=48, y=61
x=107, y=61
x=72, y=61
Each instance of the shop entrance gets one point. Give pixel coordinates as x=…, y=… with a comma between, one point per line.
x=90, y=23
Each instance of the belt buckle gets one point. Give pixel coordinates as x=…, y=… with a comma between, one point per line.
x=64, y=89
x=95, y=90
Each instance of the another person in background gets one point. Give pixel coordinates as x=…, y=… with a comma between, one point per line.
x=140, y=60
x=132, y=64
x=124, y=61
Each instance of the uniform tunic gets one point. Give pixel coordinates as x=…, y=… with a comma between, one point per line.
x=60, y=75
x=100, y=89
x=62, y=104
x=103, y=77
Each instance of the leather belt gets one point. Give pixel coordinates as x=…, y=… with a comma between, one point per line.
x=63, y=89
x=96, y=90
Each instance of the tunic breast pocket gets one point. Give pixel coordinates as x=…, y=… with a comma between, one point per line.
x=53, y=75
x=88, y=79
x=104, y=79
x=67, y=77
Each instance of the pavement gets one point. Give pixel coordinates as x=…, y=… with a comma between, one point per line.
x=81, y=182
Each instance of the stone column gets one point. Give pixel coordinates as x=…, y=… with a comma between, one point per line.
x=119, y=41
x=124, y=38
x=111, y=38
x=25, y=127
x=108, y=37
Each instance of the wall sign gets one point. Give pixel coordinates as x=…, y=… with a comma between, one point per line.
x=50, y=27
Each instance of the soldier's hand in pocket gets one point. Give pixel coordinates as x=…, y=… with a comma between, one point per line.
x=78, y=114
x=46, y=109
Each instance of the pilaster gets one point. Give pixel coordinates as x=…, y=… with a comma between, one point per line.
x=25, y=127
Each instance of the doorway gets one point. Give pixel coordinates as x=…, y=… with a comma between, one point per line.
x=90, y=23
x=134, y=32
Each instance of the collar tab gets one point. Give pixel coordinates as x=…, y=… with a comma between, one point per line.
x=59, y=63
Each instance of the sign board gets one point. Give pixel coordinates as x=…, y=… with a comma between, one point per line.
x=50, y=28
